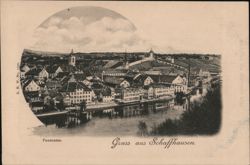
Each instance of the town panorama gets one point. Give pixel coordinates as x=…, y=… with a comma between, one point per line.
x=72, y=88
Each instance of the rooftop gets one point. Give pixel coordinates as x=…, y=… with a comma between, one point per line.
x=72, y=86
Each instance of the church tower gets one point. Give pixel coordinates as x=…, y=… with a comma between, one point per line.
x=72, y=59
x=125, y=61
x=151, y=53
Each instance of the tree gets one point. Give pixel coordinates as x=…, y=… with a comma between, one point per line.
x=143, y=129
x=203, y=118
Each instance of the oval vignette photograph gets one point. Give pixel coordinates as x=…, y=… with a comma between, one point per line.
x=92, y=72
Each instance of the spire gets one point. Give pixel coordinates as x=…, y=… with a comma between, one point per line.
x=151, y=53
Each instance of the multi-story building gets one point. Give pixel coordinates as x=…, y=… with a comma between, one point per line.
x=75, y=92
x=178, y=82
x=53, y=85
x=132, y=94
x=114, y=72
x=107, y=96
x=149, y=92
x=163, y=90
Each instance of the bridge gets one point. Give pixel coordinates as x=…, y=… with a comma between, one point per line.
x=52, y=113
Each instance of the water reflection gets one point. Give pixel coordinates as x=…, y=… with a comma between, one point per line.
x=121, y=120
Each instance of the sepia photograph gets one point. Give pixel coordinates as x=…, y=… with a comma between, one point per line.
x=93, y=78
x=98, y=85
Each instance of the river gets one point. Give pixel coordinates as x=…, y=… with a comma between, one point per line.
x=105, y=126
x=123, y=121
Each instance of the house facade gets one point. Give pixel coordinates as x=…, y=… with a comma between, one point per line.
x=107, y=98
x=116, y=82
x=132, y=94
x=180, y=84
x=149, y=92
x=124, y=84
x=43, y=74
x=54, y=71
x=32, y=86
x=162, y=90
x=148, y=81
x=76, y=92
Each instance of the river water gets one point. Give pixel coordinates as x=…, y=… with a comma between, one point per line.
x=123, y=123
x=105, y=126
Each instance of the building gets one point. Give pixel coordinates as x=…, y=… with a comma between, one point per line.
x=75, y=92
x=79, y=77
x=72, y=59
x=25, y=68
x=143, y=80
x=33, y=96
x=43, y=74
x=116, y=82
x=151, y=54
x=54, y=71
x=152, y=72
x=148, y=92
x=37, y=107
x=210, y=57
x=179, y=82
x=61, y=75
x=147, y=58
x=22, y=74
x=203, y=73
x=107, y=98
x=31, y=86
x=114, y=72
x=163, y=90
x=53, y=85
x=47, y=100
x=33, y=73
x=132, y=94
x=66, y=99
x=106, y=95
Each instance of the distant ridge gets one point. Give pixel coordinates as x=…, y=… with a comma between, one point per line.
x=42, y=53
x=47, y=53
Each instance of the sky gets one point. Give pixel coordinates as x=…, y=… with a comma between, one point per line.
x=164, y=27
x=88, y=29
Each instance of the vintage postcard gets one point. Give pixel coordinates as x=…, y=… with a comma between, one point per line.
x=110, y=82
